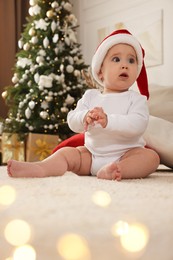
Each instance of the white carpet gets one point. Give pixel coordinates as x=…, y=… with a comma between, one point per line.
x=56, y=207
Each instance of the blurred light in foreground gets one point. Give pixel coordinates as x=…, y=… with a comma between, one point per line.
x=73, y=247
x=120, y=228
x=17, y=232
x=25, y=252
x=7, y=195
x=135, y=239
x=101, y=198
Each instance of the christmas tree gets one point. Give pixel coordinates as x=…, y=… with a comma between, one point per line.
x=47, y=80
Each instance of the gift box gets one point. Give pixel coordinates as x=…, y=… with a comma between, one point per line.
x=40, y=146
x=12, y=147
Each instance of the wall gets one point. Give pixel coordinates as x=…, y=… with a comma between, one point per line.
x=96, y=14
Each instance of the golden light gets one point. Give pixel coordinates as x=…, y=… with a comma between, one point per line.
x=120, y=228
x=101, y=198
x=7, y=195
x=136, y=238
x=17, y=232
x=73, y=247
x=26, y=252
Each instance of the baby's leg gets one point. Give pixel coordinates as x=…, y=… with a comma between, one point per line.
x=65, y=159
x=110, y=171
x=138, y=163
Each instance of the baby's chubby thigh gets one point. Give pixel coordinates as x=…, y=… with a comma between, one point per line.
x=98, y=161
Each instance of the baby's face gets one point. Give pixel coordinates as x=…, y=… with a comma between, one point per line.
x=119, y=69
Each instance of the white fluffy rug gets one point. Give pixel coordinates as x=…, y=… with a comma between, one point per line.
x=84, y=218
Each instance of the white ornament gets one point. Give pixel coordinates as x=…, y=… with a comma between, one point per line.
x=56, y=51
x=31, y=31
x=50, y=126
x=30, y=11
x=50, y=93
x=55, y=38
x=39, y=59
x=69, y=68
x=31, y=104
x=64, y=109
x=20, y=44
x=44, y=105
x=72, y=19
x=71, y=61
x=43, y=114
x=36, y=78
x=69, y=100
x=31, y=128
x=55, y=4
x=62, y=67
x=23, y=62
x=68, y=7
x=15, y=79
x=32, y=2
x=48, y=98
x=26, y=46
x=42, y=53
x=77, y=73
x=45, y=81
x=34, y=39
x=53, y=26
x=41, y=24
x=28, y=113
x=46, y=42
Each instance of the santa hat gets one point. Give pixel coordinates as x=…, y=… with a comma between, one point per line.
x=116, y=37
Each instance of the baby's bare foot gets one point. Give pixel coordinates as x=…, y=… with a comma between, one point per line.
x=24, y=169
x=109, y=172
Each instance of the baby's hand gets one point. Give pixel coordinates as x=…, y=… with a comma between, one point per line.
x=100, y=116
x=96, y=115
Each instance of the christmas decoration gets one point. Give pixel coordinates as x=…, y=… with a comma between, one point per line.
x=47, y=80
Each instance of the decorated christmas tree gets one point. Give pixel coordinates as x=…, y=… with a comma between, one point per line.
x=47, y=80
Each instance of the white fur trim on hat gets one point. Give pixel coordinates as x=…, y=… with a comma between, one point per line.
x=109, y=42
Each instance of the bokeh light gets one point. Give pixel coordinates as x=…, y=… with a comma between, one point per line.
x=101, y=198
x=120, y=228
x=7, y=195
x=25, y=252
x=17, y=232
x=136, y=238
x=73, y=247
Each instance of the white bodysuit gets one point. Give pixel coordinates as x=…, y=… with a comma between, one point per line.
x=127, y=115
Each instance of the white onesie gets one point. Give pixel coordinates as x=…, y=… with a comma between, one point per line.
x=127, y=114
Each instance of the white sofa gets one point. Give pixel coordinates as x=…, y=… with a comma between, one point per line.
x=159, y=134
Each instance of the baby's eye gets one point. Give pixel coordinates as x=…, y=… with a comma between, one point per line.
x=116, y=59
x=132, y=60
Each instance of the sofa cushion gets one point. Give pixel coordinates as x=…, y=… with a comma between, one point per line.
x=160, y=102
x=159, y=137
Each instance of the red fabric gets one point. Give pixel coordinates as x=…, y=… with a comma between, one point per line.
x=74, y=141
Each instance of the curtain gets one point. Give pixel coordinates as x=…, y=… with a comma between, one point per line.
x=12, y=17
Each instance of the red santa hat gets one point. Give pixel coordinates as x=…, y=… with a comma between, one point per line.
x=116, y=37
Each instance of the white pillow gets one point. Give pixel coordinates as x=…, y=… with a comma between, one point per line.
x=159, y=137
